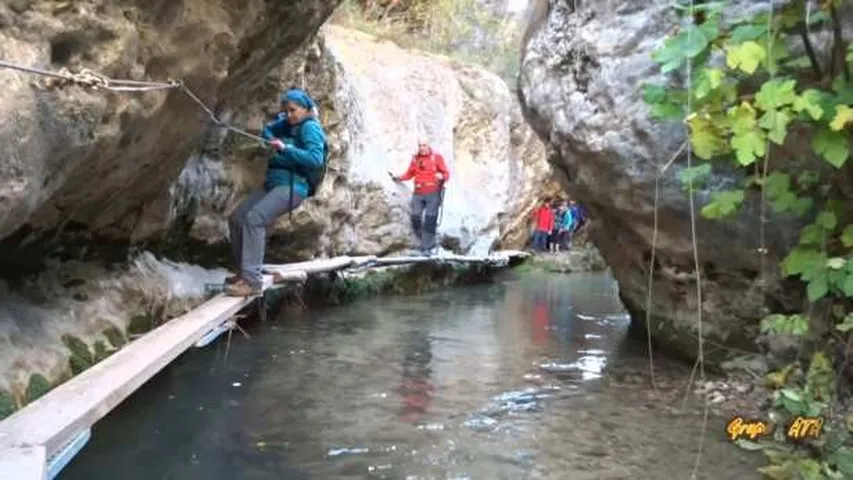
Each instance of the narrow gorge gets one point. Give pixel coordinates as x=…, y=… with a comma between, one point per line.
x=115, y=204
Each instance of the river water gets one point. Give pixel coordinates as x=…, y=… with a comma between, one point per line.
x=531, y=377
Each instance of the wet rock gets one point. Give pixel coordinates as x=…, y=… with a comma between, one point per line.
x=581, y=73
x=375, y=100
x=97, y=160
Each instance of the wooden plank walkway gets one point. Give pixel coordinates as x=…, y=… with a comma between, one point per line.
x=38, y=433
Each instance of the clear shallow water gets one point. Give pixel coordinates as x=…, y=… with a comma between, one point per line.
x=532, y=377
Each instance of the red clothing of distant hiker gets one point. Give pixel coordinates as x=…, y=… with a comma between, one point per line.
x=425, y=169
x=545, y=218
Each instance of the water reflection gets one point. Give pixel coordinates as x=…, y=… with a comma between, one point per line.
x=415, y=388
x=505, y=381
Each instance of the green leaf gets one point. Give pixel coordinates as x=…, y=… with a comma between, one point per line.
x=843, y=115
x=707, y=81
x=742, y=117
x=847, y=285
x=785, y=324
x=802, y=206
x=687, y=44
x=812, y=235
x=749, y=445
x=843, y=461
x=776, y=184
x=836, y=263
x=694, y=174
x=704, y=138
x=653, y=93
x=809, y=101
x=742, y=33
x=746, y=56
x=748, y=146
x=827, y=220
x=802, y=260
x=775, y=94
x=791, y=394
x=847, y=236
x=817, y=289
x=808, y=178
x=748, y=142
x=809, y=469
x=846, y=325
x=799, y=62
x=776, y=123
x=723, y=204
x=832, y=146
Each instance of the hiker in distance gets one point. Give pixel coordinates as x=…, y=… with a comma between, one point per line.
x=293, y=173
x=429, y=173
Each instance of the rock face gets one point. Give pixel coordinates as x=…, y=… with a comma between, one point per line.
x=85, y=168
x=75, y=159
x=580, y=88
x=375, y=100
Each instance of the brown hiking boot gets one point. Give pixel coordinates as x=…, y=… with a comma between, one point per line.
x=242, y=288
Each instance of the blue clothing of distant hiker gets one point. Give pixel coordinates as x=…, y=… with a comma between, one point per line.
x=567, y=220
x=293, y=172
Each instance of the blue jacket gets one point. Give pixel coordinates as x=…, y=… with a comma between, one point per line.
x=567, y=220
x=303, y=157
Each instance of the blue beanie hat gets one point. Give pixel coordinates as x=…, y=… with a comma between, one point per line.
x=299, y=97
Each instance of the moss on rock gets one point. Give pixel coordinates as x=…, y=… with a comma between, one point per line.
x=101, y=351
x=37, y=387
x=81, y=355
x=140, y=324
x=115, y=337
x=7, y=405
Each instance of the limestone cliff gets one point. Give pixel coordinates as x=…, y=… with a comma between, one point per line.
x=580, y=87
x=89, y=162
x=375, y=99
x=85, y=170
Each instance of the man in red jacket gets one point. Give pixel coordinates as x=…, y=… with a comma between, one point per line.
x=544, y=218
x=429, y=172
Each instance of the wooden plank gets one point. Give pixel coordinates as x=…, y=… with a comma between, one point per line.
x=25, y=463
x=54, y=419
x=313, y=266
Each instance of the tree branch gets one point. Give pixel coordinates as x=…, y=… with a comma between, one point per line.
x=838, y=45
x=804, y=35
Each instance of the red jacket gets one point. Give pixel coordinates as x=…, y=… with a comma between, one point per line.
x=544, y=218
x=424, y=169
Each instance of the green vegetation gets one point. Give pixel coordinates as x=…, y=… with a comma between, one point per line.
x=81, y=356
x=7, y=405
x=37, y=387
x=783, y=118
x=115, y=336
x=465, y=30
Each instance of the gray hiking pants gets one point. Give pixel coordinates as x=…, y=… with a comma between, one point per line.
x=248, y=228
x=425, y=218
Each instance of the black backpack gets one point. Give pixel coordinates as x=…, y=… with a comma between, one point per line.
x=315, y=180
x=314, y=177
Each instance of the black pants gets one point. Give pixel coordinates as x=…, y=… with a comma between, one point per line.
x=425, y=218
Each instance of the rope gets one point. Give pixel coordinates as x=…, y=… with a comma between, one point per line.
x=95, y=80
x=701, y=354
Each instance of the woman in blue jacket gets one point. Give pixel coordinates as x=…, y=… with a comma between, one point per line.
x=292, y=174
